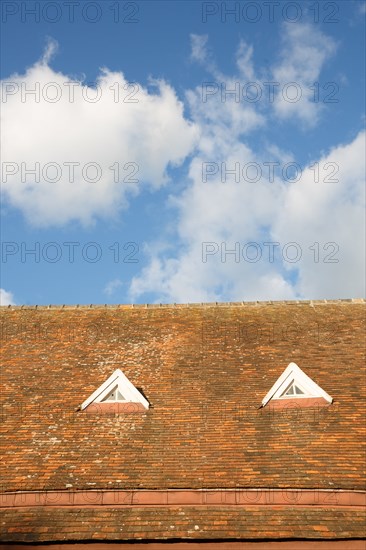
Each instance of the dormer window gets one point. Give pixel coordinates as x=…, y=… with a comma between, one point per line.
x=295, y=384
x=119, y=391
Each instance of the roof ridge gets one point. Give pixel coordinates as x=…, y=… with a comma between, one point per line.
x=198, y=304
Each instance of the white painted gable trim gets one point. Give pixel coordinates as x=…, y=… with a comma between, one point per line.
x=293, y=373
x=127, y=389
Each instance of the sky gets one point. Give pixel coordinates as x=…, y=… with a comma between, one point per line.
x=182, y=151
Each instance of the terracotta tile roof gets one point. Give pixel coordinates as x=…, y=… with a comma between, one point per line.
x=204, y=369
x=203, y=523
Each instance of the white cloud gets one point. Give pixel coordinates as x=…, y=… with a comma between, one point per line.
x=284, y=91
x=50, y=50
x=219, y=114
x=198, y=47
x=155, y=134
x=244, y=61
x=6, y=298
x=305, y=50
x=112, y=286
x=217, y=212
x=329, y=212
x=138, y=127
x=230, y=214
x=304, y=212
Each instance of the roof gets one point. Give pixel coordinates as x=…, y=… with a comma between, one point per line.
x=204, y=369
x=252, y=523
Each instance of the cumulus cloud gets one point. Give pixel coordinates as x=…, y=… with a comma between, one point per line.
x=214, y=107
x=112, y=286
x=244, y=61
x=216, y=222
x=49, y=51
x=247, y=238
x=329, y=217
x=198, y=47
x=6, y=298
x=227, y=219
x=247, y=100
x=307, y=236
x=305, y=51
x=90, y=147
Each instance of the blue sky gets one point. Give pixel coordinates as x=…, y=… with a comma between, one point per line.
x=182, y=153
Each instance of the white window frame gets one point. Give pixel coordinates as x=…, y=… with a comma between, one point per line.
x=293, y=373
x=127, y=389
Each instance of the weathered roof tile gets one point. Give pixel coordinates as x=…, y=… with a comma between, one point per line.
x=205, y=370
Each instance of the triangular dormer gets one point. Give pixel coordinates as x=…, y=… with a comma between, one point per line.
x=295, y=384
x=117, y=389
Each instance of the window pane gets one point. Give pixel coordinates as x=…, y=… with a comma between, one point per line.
x=111, y=396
